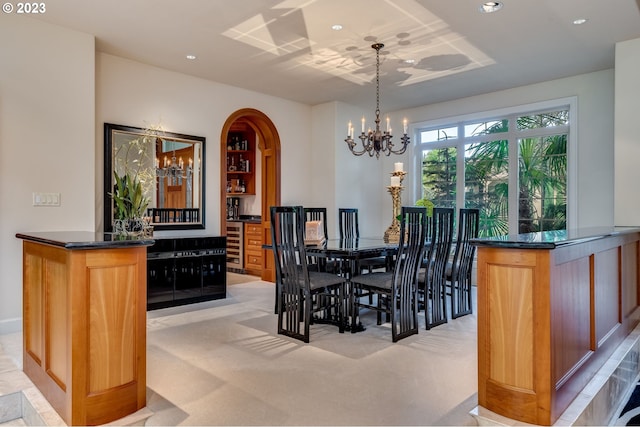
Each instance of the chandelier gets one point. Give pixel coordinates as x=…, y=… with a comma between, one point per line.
x=376, y=141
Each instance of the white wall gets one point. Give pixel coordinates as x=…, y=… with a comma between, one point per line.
x=135, y=94
x=56, y=93
x=627, y=137
x=360, y=181
x=595, y=95
x=47, y=127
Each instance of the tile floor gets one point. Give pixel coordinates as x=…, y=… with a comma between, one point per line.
x=222, y=363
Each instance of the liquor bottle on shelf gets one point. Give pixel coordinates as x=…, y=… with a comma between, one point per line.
x=241, y=164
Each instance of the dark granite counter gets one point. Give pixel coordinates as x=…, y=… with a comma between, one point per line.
x=254, y=219
x=84, y=239
x=552, y=239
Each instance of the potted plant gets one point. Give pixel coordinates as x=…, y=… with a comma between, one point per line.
x=130, y=205
x=427, y=204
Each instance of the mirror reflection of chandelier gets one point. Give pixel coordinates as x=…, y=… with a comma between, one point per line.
x=174, y=171
x=376, y=141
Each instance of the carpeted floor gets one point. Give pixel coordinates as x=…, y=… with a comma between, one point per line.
x=236, y=279
x=222, y=362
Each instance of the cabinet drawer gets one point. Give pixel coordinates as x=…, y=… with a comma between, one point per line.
x=255, y=229
x=253, y=243
x=253, y=261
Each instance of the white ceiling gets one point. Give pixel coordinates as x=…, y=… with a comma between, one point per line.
x=287, y=48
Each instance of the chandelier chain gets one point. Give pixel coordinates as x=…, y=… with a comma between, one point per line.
x=377, y=48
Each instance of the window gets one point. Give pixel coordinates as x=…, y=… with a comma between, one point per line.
x=513, y=167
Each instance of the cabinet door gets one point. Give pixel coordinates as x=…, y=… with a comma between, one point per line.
x=214, y=275
x=159, y=280
x=188, y=277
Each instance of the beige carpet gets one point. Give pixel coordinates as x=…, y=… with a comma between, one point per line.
x=236, y=279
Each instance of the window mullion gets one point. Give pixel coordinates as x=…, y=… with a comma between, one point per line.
x=460, y=175
x=514, y=182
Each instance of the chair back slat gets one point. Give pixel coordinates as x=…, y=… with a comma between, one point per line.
x=462, y=262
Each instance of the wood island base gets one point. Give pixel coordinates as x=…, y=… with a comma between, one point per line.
x=84, y=331
x=552, y=309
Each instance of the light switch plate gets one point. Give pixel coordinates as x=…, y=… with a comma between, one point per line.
x=46, y=199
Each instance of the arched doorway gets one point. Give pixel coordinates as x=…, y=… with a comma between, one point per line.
x=268, y=142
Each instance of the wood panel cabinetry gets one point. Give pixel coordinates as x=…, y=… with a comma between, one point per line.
x=253, y=248
x=84, y=330
x=548, y=319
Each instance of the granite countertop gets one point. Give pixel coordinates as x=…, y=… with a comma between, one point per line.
x=247, y=218
x=552, y=239
x=84, y=239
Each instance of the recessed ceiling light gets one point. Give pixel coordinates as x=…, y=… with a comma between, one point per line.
x=191, y=57
x=490, y=6
x=580, y=21
x=336, y=27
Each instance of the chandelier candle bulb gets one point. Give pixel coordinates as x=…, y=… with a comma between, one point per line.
x=395, y=181
x=404, y=124
x=362, y=124
x=397, y=166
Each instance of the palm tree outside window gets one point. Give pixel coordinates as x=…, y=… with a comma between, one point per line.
x=513, y=168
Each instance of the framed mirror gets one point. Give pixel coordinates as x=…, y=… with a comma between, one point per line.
x=170, y=168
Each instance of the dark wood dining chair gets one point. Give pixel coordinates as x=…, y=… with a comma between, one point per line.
x=317, y=214
x=350, y=229
x=396, y=291
x=348, y=223
x=459, y=270
x=432, y=278
x=317, y=263
x=301, y=293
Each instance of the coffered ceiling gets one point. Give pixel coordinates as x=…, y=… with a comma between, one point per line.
x=434, y=50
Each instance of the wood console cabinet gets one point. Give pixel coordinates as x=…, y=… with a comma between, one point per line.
x=84, y=323
x=184, y=270
x=552, y=308
x=253, y=248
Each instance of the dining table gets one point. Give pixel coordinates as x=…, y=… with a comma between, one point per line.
x=350, y=251
x=347, y=252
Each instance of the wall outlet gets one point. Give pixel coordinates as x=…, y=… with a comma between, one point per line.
x=46, y=199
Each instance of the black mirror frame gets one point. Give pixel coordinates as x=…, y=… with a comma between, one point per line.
x=108, y=178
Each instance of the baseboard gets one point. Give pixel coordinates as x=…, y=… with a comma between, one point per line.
x=10, y=326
